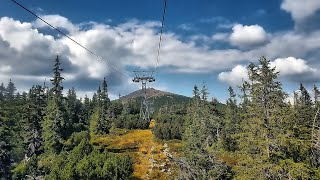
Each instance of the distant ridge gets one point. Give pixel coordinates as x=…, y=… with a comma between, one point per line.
x=151, y=93
x=157, y=97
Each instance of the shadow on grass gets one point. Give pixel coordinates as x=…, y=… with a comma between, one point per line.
x=122, y=150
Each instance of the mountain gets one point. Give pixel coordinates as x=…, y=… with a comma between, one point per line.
x=157, y=97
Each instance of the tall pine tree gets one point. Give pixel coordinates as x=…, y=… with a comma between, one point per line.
x=100, y=122
x=263, y=118
x=6, y=145
x=36, y=109
x=232, y=121
x=55, y=119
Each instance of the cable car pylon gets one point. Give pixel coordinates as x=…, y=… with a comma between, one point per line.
x=144, y=77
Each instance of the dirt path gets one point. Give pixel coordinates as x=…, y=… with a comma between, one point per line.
x=150, y=161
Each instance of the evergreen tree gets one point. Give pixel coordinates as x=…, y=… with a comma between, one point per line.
x=304, y=113
x=10, y=91
x=19, y=113
x=5, y=144
x=76, y=121
x=94, y=101
x=55, y=119
x=232, y=121
x=2, y=92
x=262, y=122
x=305, y=98
x=104, y=94
x=196, y=93
x=87, y=109
x=102, y=123
x=316, y=93
x=36, y=113
x=201, y=133
x=204, y=93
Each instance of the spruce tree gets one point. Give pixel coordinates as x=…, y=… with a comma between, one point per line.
x=55, y=119
x=196, y=93
x=232, y=121
x=263, y=118
x=5, y=143
x=104, y=123
x=2, y=92
x=304, y=114
x=316, y=93
x=204, y=93
x=100, y=122
x=87, y=109
x=10, y=91
x=75, y=112
x=36, y=114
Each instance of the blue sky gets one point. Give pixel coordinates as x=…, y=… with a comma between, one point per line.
x=205, y=41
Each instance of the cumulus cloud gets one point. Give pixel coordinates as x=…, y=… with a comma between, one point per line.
x=57, y=21
x=248, y=36
x=296, y=70
x=235, y=76
x=306, y=14
x=291, y=66
x=27, y=50
x=134, y=44
x=290, y=69
x=301, y=10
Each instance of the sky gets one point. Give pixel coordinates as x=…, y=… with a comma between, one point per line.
x=204, y=42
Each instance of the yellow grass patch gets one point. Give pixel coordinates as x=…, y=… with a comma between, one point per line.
x=142, y=147
x=152, y=124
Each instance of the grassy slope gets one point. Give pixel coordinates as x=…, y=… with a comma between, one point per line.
x=162, y=99
x=141, y=146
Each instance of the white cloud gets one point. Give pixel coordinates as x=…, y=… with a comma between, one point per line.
x=5, y=69
x=186, y=27
x=226, y=25
x=290, y=69
x=220, y=37
x=292, y=66
x=19, y=35
x=301, y=9
x=57, y=21
x=235, y=76
x=248, y=36
x=134, y=44
x=285, y=44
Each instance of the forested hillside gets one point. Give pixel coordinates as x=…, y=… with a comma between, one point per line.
x=257, y=134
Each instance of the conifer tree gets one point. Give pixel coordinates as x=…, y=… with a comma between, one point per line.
x=305, y=98
x=75, y=112
x=232, y=121
x=5, y=143
x=304, y=113
x=264, y=116
x=55, y=119
x=204, y=93
x=10, y=91
x=196, y=93
x=316, y=93
x=87, y=109
x=102, y=123
x=2, y=92
x=36, y=113
x=202, y=132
